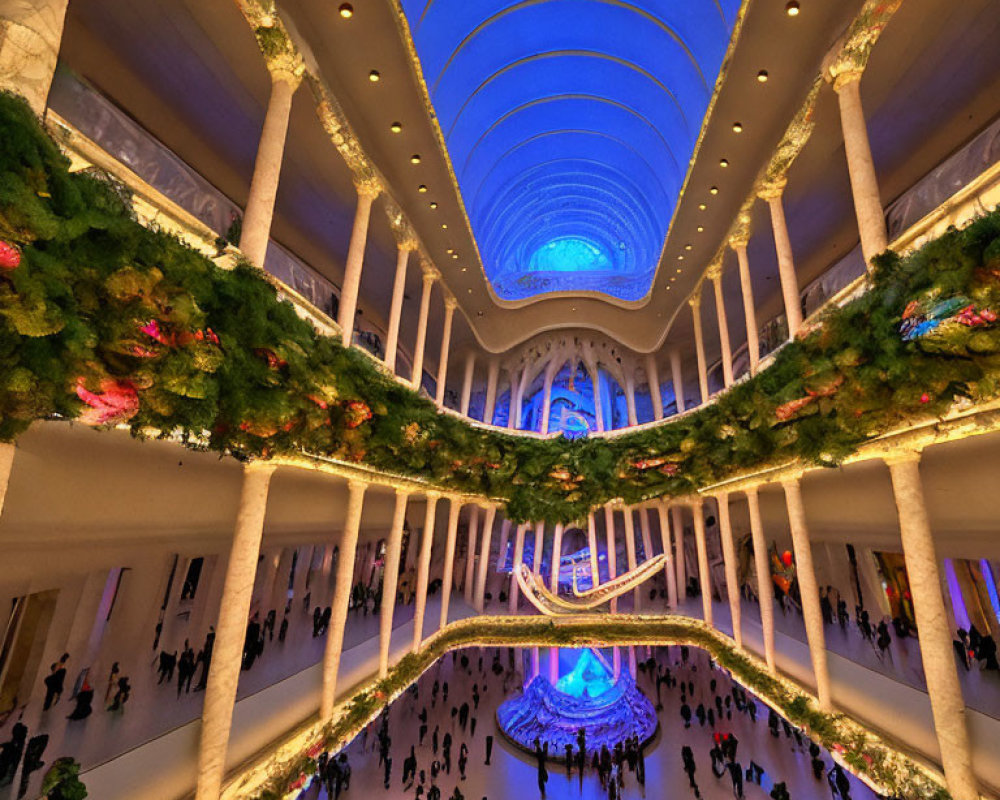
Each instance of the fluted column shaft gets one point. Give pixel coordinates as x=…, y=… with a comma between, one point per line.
x=484, y=557
x=729, y=560
x=470, y=554
x=699, y=347
x=341, y=597
x=630, y=553
x=442, y=375
x=396, y=308
x=861, y=167
x=504, y=541
x=633, y=418
x=595, y=572
x=677, y=518
x=786, y=261
x=936, y=651
x=355, y=261
x=669, y=567
x=765, y=589
x=653, y=379
x=448, y=574
x=267, y=168
x=230, y=630
x=595, y=382
x=704, y=575
x=805, y=573
x=612, y=555
x=492, y=375
x=424, y=568
x=749, y=310
x=720, y=314
x=677, y=378
x=547, y=399
x=536, y=557
x=515, y=564
x=418, y=348
x=556, y=557
x=470, y=369
x=390, y=581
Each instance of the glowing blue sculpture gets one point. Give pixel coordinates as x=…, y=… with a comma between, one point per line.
x=570, y=125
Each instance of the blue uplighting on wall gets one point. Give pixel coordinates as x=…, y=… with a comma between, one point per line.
x=570, y=125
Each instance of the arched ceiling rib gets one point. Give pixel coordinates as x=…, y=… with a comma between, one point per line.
x=570, y=124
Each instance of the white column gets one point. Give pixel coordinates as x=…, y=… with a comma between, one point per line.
x=442, y=376
x=341, y=597
x=470, y=554
x=633, y=418
x=653, y=379
x=230, y=631
x=484, y=557
x=424, y=568
x=492, y=374
x=749, y=312
x=470, y=369
x=516, y=395
x=418, y=348
x=762, y=565
x=715, y=275
x=553, y=665
x=403, y=250
x=612, y=555
x=786, y=262
x=390, y=581
x=536, y=559
x=367, y=192
x=647, y=536
x=550, y=373
x=447, y=576
x=630, y=554
x=677, y=518
x=518, y=558
x=595, y=573
x=704, y=576
x=677, y=378
x=860, y=166
x=805, y=573
x=936, y=652
x=595, y=382
x=671, y=575
x=267, y=167
x=504, y=541
x=731, y=567
x=556, y=556
x=699, y=346
x=30, y=36
x=6, y=466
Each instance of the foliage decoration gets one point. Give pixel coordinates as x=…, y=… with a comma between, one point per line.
x=105, y=321
x=864, y=753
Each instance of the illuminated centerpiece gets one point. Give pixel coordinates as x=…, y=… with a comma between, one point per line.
x=608, y=709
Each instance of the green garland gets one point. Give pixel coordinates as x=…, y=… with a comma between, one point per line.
x=106, y=321
x=865, y=753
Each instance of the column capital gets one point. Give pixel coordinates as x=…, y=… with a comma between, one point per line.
x=714, y=271
x=739, y=234
x=773, y=188
x=262, y=467
x=450, y=303
x=433, y=494
x=430, y=274
x=287, y=69
x=357, y=484
x=843, y=75
x=903, y=456
x=792, y=479
x=695, y=299
x=408, y=242
x=368, y=186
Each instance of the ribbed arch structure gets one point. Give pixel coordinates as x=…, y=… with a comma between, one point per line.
x=570, y=125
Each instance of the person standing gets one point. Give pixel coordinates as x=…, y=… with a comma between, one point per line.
x=489, y=749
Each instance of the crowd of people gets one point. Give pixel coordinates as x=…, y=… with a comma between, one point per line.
x=421, y=747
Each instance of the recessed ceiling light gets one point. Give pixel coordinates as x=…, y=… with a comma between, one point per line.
x=444, y=226
x=668, y=289
x=434, y=205
x=737, y=127
x=465, y=269
x=421, y=188
x=702, y=206
x=700, y=229
x=373, y=76
x=687, y=247
x=470, y=291
x=415, y=158
x=723, y=163
x=480, y=313
x=449, y=251
x=574, y=308
x=396, y=127
x=679, y=270
x=762, y=76
x=792, y=8
x=346, y=10
x=454, y=255
x=673, y=278
x=680, y=258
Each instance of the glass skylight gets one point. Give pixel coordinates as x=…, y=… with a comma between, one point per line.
x=570, y=125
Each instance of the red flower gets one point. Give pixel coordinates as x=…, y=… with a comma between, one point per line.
x=357, y=412
x=10, y=256
x=117, y=401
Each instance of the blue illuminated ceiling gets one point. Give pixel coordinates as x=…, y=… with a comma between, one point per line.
x=570, y=125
